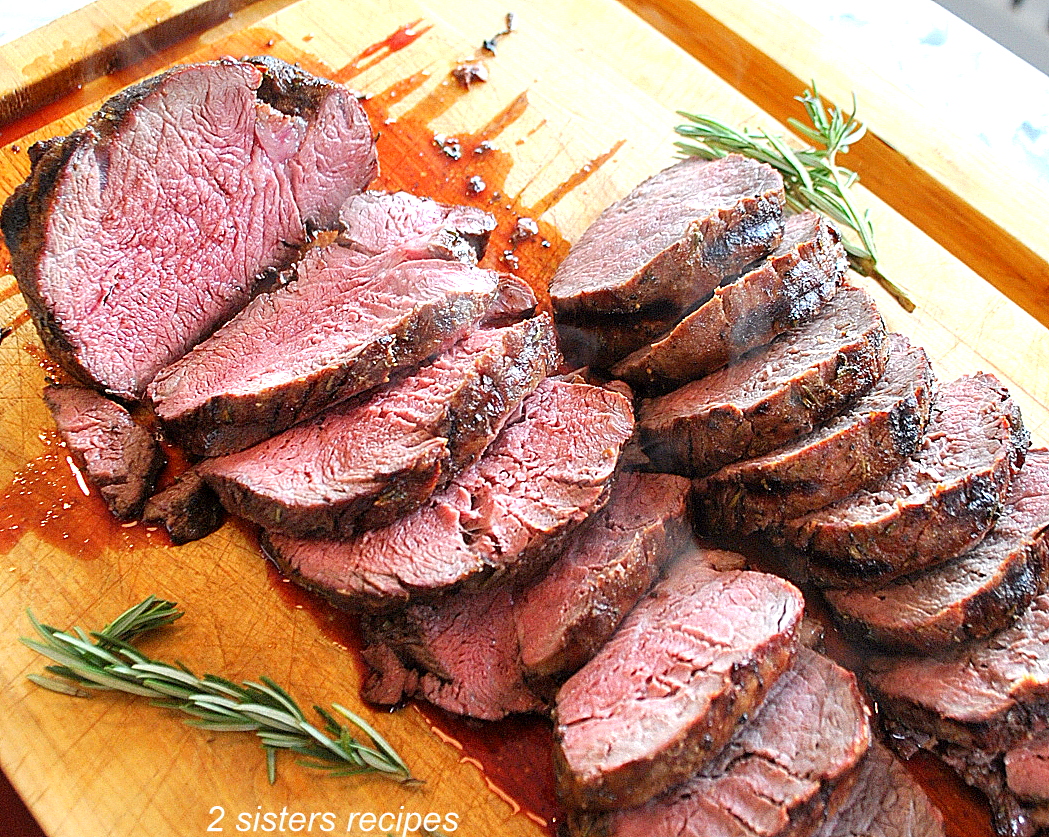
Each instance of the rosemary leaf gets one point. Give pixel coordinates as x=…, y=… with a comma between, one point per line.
x=812, y=177
x=106, y=660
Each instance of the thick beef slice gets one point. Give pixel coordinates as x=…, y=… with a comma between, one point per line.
x=939, y=502
x=118, y=456
x=571, y=612
x=972, y=595
x=664, y=695
x=188, y=509
x=782, y=773
x=885, y=802
x=460, y=654
x=342, y=327
x=368, y=461
x=560, y=622
x=501, y=519
x=374, y=222
x=672, y=239
x=800, y=275
x=772, y=395
x=135, y=236
x=857, y=448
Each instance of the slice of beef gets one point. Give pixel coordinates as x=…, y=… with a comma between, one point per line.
x=374, y=222
x=188, y=509
x=664, y=695
x=514, y=300
x=857, y=448
x=135, y=236
x=789, y=287
x=1025, y=790
x=560, y=622
x=368, y=461
x=459, y=653
x=600, y=341
x=672, y=239
x=120, y=457
x=501, y=520
x=783, y=772
x=972, y=595
x=569, y=614
x=772, y=395
x=342, y=327
x=973, y=704
x=885, y=802
x=936, y=505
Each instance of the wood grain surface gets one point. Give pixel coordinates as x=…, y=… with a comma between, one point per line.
x=581, y=106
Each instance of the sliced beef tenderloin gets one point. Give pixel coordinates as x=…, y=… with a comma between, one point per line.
x=772, y=395
x=599, y=342
x=374, y=222
x=564, y=618
x=366, y=462
x=672, y=239
x=885, y=801
x=135, y=236
x=502, y=639
x=460, y=654
x=789, y=287
x=938, y=503
x=972, y=705
x=342, y=327
x=188, y=509
x=664, y=695
x=503, y=519
x=783, y=772
x=1025, y=790
x=972, y=595
x=874, y=435
x=118, y=456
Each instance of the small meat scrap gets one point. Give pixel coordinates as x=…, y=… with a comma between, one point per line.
x=188, y=509
x=470, y=72
x=524, y=229
x=117, y=455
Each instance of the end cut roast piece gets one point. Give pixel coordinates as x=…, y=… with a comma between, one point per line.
x=937, y=504
x=975, y=705
x=188, y=509
x=368, y=461
x=972, y=595
x=791, y=285
x=342, y=327
x=135, y=236
x=673, y=239
x=374, y=222
x=664, y=695
x=120, y=457
x=784, y=771
x=502, y=519
x=479, y=654
x=772, y=395
x=857, y=448
x=885, y=801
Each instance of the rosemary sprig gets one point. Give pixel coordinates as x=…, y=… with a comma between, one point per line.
x=812, y=177
x=106, y=660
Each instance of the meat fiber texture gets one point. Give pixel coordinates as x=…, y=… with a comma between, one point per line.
x=772, y=395
x=939, y=503
x=783, y=772
x=868, y=441
x=673, y=239
x=972, y=706
x=885, y=801
x=118, y=456
x=789, y=287
x=342, y=327
x=366, y=462
x=135, y=236
x=373, y=222
x=503, y=519
x=664, y=695
x=972, y=595
x=495, y=652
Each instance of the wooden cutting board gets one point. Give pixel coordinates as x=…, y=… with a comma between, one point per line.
x=578, y=108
